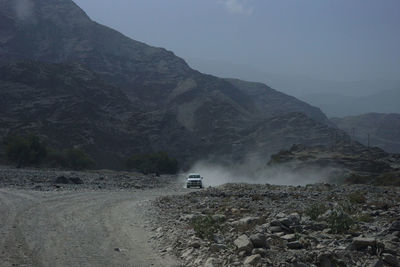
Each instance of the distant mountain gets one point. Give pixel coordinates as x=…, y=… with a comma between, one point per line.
x=78, y=83
x=339, y=105
x=296, y=85
x=384, y=129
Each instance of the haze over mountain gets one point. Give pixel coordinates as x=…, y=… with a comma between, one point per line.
x=355, y=97
x=385, y=101
x=383, y=129
x=78, y=83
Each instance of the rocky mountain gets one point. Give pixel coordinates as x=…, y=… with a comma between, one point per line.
x=76, y=82
x=383, y=129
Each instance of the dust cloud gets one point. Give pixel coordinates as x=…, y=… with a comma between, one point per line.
x=215, y=174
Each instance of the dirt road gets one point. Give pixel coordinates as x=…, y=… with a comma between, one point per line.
x=77, y=228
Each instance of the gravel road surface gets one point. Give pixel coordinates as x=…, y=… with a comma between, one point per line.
x=85, y=228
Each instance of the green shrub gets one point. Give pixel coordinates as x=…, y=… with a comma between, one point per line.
x=205, y=226
x=339, y=221
x=357, y=179
x=30, y=150
x=357, y=198
x=158, y=162
x=364, y=218
x=348, y=207
x=56, y=158
x=382, y=205
x=73, y=158
x=25, y=150
x=388, y=179
x=315, y=210
x=77, y=159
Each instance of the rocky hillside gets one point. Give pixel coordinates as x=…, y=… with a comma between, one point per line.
x=66, y=105
x=157, y=102
x=384, y=129
x=341, y=162
x=270, y=102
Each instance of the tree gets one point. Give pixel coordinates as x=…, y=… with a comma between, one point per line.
x=159, y=162
x=77, y=159
x=25, y=150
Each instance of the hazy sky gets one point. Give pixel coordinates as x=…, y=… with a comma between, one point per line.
x=326, y=39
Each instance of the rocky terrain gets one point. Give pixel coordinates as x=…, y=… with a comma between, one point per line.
x=383, y=129
x=63, y=180
x=77, y=83
x=150, y=220
x=268, y=225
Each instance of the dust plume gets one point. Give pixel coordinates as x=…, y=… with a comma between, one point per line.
x=255, y=173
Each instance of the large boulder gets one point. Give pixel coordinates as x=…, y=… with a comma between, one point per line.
x=247, y=223
x=259, y=240
x=243, y=243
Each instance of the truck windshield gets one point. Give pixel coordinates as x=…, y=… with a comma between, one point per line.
x=194, y=176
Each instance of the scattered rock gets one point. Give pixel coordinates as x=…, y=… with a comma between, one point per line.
x=76, y=180
x=62, y=180
x=261, y=251
x=294, y=245
x=377, y=263
x=195, y=244
x=289, y=237
x=187, y=253
x=360, y=243
x=258, y=240
x=275, y=229
x=247, y=223
x=219, y=217
x=395, y=226
x=259, y=221
x=211, y=262
x=390, y=259
x=252, y=260
x=217, y=247
x=243, y=243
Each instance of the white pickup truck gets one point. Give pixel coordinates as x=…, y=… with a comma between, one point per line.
x=194, y=180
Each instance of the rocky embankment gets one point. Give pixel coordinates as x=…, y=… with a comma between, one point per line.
x=52, y=179
x=267, y=225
